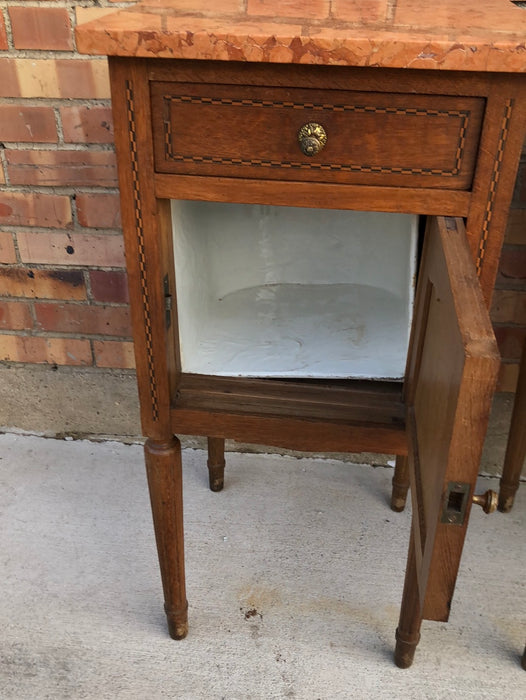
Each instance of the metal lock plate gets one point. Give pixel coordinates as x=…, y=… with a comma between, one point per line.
x=455, y=503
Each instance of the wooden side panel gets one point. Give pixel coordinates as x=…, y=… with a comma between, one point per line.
x=147, y=254
x=499, y=152
x=452, y=371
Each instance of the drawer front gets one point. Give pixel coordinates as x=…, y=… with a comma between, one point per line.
x=376, y=138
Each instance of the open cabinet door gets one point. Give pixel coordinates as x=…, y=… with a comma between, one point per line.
x=451, y=373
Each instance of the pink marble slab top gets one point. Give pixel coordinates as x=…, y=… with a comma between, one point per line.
x=478, y=35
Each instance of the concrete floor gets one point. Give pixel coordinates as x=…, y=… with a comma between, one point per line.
x=294, y=575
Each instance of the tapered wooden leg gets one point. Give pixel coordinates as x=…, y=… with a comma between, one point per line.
x=516, y=448
x=400, y=484
x=164, y=472
x=523, y=660
x=408, y=632
x=216, y=463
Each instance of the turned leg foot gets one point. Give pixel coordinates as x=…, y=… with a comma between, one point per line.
x=216, y=463
x=177, y=622
x=164, y=472
x=400, y=484
x=408, y=632
x=405, y=649
x=507, y=496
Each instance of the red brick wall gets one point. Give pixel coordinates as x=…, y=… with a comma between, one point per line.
x=63, y=292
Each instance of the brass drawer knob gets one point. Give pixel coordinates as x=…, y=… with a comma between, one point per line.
x=312, y=138
x=487, y=501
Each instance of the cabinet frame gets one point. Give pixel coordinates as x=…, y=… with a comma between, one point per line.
x=305, y=415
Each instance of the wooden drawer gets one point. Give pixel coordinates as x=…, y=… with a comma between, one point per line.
x=400, y=140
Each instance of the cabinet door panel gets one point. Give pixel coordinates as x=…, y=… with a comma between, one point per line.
x=452, y=369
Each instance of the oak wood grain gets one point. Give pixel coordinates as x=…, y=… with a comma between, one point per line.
x=142, y=238
x=451, y=377
x=314, y=195
x=380, y=138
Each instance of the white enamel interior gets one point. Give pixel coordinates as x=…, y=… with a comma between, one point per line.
x=266, y=291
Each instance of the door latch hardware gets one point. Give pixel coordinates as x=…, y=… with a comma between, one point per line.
x=456, y=503
x=167, y=302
